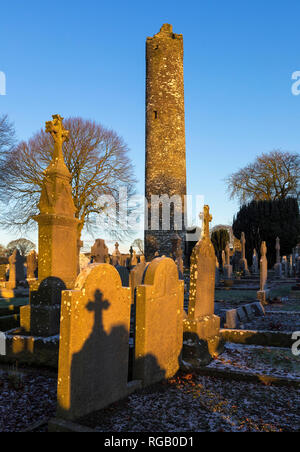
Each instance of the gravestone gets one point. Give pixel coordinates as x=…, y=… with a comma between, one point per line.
x=84, y=261
x=32, y=265
x=217, y=281
x=116, y=256
x=16, y=270
x=3, y=271
x=93, y=352
x=291, y=266
x=278, y=266
x=99, y=252
x=232, y=320
x=159, y=322
x=136, y=277
x=227, y=267
x=133, y=260
x=124, y=274
x=285, y=267
x=255, y=262
x=202, y=327
x=243, y=261
x=41, y=318
x=263, y=293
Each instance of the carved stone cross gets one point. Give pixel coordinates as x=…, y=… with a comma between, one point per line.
x=59, y=135
x=207, y=218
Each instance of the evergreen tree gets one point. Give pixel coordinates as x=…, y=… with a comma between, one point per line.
x=265, y=221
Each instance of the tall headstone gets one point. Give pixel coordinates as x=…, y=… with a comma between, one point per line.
x=94, y=350
x=217, y=282
x=202, y=327
x=263, y=292
x=278, y=266
x=159, y=322
x=165, y=138
x=32, y=265
x=291, y=266
x=116, y=256
x=16, y=270
x=227, y=266
x=243, y=260
x=58, y=241
x=285, y=266
x=255, y=262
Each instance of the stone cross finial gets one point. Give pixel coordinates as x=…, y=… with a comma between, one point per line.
x=207, y=218
x=59, y=135
x=57, y=130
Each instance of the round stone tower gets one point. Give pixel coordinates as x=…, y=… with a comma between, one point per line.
x=165, y=141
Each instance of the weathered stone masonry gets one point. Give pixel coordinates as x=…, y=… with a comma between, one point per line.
x=165, y=126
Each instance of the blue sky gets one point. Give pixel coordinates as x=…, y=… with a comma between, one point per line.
x=88, y=59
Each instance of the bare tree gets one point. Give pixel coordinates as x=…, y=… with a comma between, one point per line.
x=139, y=244
x=97, y=159
x=272, y=176
x=23, y=245
x=7, y=136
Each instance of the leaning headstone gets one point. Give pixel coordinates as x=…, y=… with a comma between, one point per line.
x=243, y=260
x=32, y=265
x=263, y=293
x=258, y=309
x=99, y=252
x=159, y=327
x=249, y=311
x=278, y=266
x=202, y=327
x=94, y=336
x=241, y=315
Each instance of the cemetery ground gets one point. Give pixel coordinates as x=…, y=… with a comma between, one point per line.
x=185, y=403
x=247, y=388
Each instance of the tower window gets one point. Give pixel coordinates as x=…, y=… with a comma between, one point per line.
x=155, y=114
